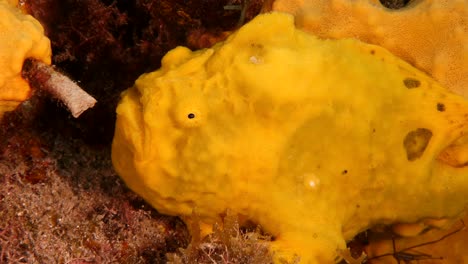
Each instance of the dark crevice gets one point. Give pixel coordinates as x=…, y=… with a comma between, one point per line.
x=394, y=4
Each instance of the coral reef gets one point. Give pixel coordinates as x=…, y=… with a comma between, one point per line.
x=315, y=140
x=61, y=202
x=429, y=34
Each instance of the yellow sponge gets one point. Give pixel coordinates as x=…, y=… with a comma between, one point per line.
x=21, y=37
x=432, y=35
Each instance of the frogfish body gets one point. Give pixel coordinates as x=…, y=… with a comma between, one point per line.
x=315, y=140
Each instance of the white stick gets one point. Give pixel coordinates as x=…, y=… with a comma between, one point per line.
x=44, y=77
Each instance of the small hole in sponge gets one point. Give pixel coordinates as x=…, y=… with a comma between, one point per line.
x=191, y=116
x=394, y=4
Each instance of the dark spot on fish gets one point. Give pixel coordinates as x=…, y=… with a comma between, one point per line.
x=411, y=83
x=394, y=4
x=372, y=52
x=416, y=142
x=191, y=116
x=440, y=107
x=344, y=172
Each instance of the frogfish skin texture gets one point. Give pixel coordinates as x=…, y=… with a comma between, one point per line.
x=315, y=140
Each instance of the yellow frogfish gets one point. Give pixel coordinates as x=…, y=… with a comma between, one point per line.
x=314, y=140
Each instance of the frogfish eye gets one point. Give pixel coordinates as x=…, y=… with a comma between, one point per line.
x=189, y=113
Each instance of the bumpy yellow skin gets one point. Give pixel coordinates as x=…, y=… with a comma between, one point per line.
x=21, y=37
x=315, y=140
